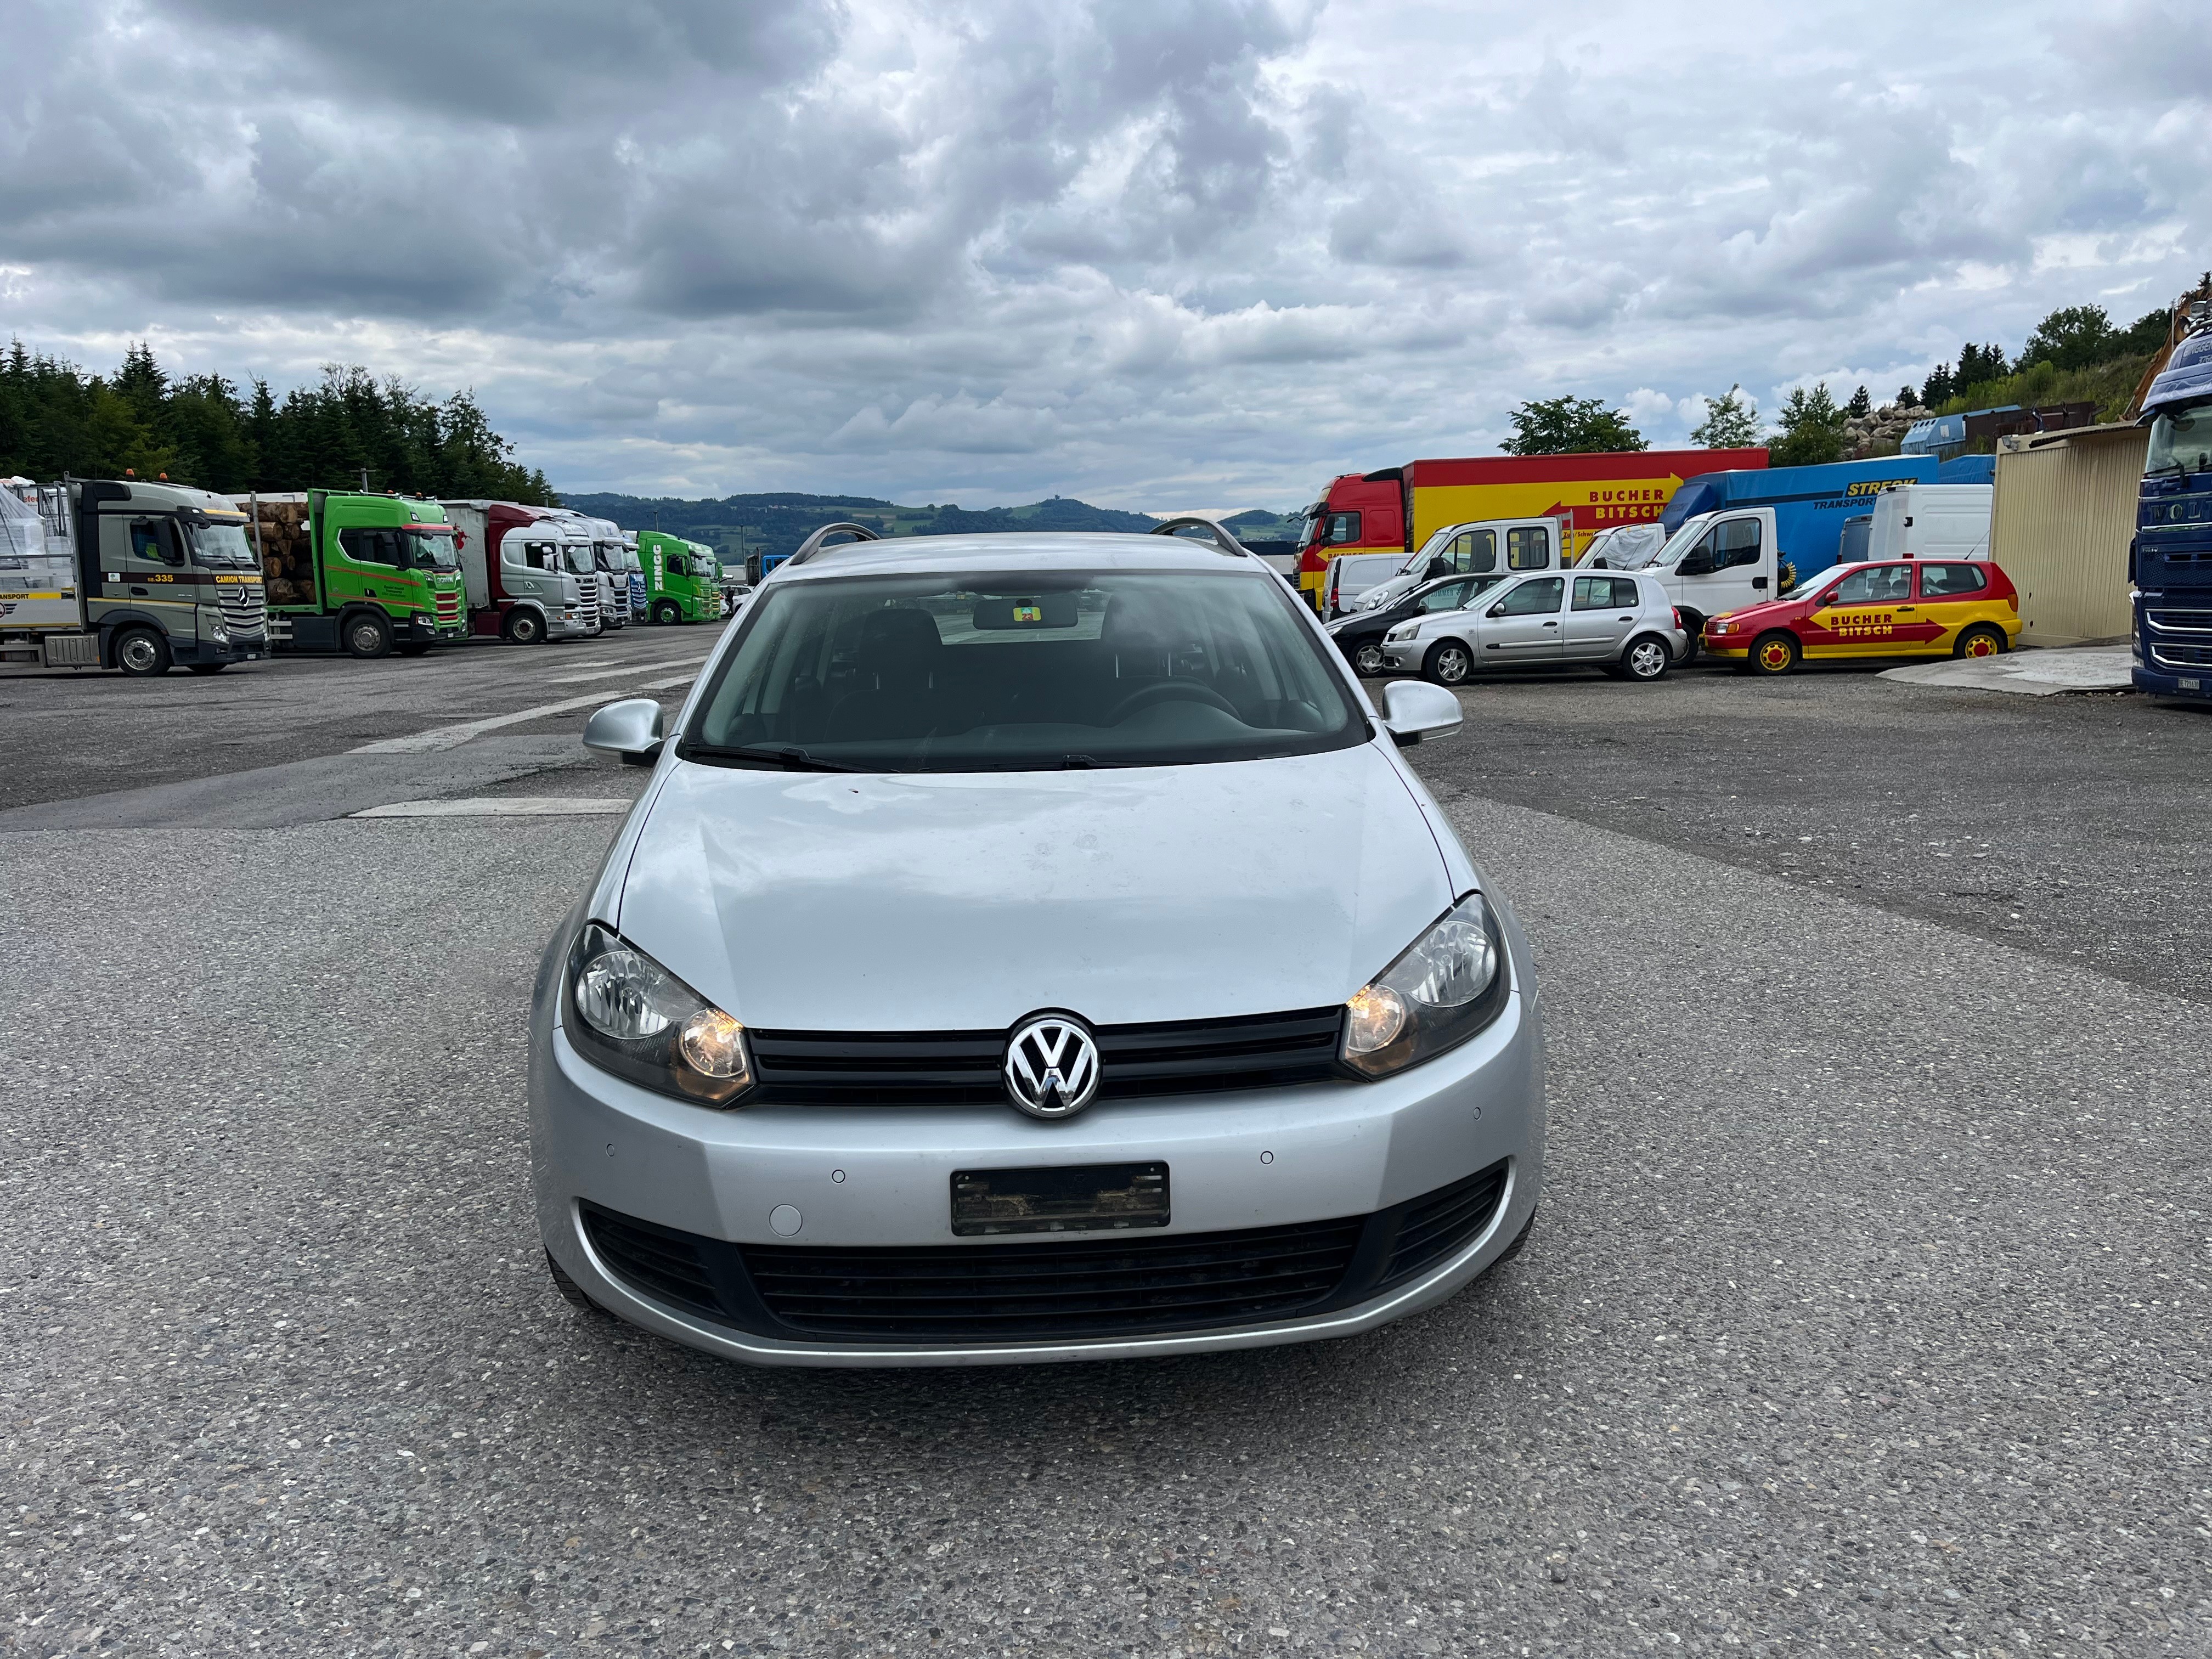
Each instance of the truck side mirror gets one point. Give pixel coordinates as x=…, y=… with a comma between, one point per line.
x=633, y=729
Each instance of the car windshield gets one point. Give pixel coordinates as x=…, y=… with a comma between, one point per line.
x=220, y=546
x=2181, y=439
x=1024, y=671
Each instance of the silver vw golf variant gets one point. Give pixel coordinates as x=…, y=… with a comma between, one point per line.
x=1031, y=948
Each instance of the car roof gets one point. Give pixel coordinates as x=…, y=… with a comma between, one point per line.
x=1011, y=551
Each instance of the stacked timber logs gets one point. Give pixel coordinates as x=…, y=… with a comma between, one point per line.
x=279, y=523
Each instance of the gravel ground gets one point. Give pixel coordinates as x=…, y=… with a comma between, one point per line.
x=1872, y=1326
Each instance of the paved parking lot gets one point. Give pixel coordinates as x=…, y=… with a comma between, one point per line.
x=1866, y=1313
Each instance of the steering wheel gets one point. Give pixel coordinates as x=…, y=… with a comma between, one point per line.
x=1145, y=696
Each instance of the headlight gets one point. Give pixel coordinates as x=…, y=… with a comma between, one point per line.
x=631, y=1016
x=211, y=618
x=1447, y=986
x=1404, y=631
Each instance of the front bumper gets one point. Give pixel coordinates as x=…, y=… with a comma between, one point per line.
x=1733, y=648
x=861, y=1177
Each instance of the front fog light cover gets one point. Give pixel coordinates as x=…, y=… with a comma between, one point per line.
x=632, y=1017
x=1449, y=984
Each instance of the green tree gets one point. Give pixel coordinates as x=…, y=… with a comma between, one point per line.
x=1730, y=423
x=1936, y=390
x=2072, y=336
x=1812, y=429
x=1571, y=426
x=1906, y=398
x=2147, y=333
x=1862, y=404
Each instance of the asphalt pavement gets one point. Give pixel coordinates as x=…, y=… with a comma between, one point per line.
x=1865, y=1313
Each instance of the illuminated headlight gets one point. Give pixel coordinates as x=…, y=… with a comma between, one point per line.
x=632, y=1017
x=1449, y=985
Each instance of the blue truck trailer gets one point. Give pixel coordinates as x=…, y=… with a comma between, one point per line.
x=1810, y=503
x=2170, y=561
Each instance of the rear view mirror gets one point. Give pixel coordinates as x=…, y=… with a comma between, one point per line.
x=635, y=730
x=1414, y=710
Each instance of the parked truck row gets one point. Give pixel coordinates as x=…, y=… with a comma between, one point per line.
x=141, y=576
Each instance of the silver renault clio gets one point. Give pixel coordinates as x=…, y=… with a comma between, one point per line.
x=1027, y=948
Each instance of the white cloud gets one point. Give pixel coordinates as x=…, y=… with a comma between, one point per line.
x=1134, y=250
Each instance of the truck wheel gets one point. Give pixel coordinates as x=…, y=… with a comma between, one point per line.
x=1772, y=654
x=1646, y=658
x=1694, y=625
x=525, y=627
x=207, y=667
x=368, y=634
x=1368, y=660
x=1980, y=640
x=666, y=612
x=1447, y=662
x=141, y=651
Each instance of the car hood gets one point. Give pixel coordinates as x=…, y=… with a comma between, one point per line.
x=961, y=902
x=1771, y=610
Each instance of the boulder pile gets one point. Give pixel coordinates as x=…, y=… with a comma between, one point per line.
x=1880, y=433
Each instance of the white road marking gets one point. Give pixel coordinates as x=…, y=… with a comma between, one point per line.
x=663, y=685
x=452, y=736
x=498, y=806
x=627, y=668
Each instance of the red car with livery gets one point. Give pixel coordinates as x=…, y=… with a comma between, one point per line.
x=1890, y=608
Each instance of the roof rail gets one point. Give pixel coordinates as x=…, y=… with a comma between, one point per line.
x=812, y=544
x=1228, y=544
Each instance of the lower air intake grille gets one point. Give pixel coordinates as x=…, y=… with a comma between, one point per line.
x=1010, y=1292
x=1061, y=1289
x=1444, y=1223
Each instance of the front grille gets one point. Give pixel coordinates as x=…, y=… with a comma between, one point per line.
x=1013, y=1292
x=1444, y=1223
x=2179, y=639
x=244, y=607
x=1057, y=1290
x=961, y=1068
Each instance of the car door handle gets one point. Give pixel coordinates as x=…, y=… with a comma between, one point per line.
x=368, y=592
x=1550, y=624
x=1758, y=582
x=1908, y=607
x=140, y=592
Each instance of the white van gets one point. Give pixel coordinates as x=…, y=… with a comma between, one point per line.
x=1479, y=547
x=1931, y=521
x=1351, y=574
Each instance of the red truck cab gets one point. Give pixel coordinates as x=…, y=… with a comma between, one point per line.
x=1361, y=513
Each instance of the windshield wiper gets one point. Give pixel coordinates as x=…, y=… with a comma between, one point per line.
x=792, y=760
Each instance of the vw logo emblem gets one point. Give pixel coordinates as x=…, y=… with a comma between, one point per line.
x=1051, y=1065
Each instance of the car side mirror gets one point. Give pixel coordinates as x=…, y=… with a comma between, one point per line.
x=1497, y=609
x=1415, y=711
x=633, y=729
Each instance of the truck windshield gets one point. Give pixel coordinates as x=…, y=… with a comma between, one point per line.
x=1665, y=553
x=427, y=550
x=985, y=671
x=1312, y=516
x=2181, y=439
x=576, y=558
x=608, y=555
x=220, y=546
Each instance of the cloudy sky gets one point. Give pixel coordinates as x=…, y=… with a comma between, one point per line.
x=1150, y=253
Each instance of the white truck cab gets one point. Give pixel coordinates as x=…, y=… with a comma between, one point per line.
x=1479, y=547
x=1715, y=562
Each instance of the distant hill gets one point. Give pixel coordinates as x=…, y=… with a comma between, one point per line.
x=738, y=525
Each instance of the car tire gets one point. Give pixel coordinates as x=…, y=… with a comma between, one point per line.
x=1772, y=654
x=1367, y=661
x=367, y=636
x=1980, y=640
x=571, y=1291
x=1646, y=658
x=524, y=628
x=1520, y=1241
x=142, y=653
x=207, y=667
x=1694, y=630
x=1448, y=664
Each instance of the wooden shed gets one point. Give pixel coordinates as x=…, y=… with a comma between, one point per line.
x=2061, y=520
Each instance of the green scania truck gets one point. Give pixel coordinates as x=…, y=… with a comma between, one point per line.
x=683, y=580
x=363, y=574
